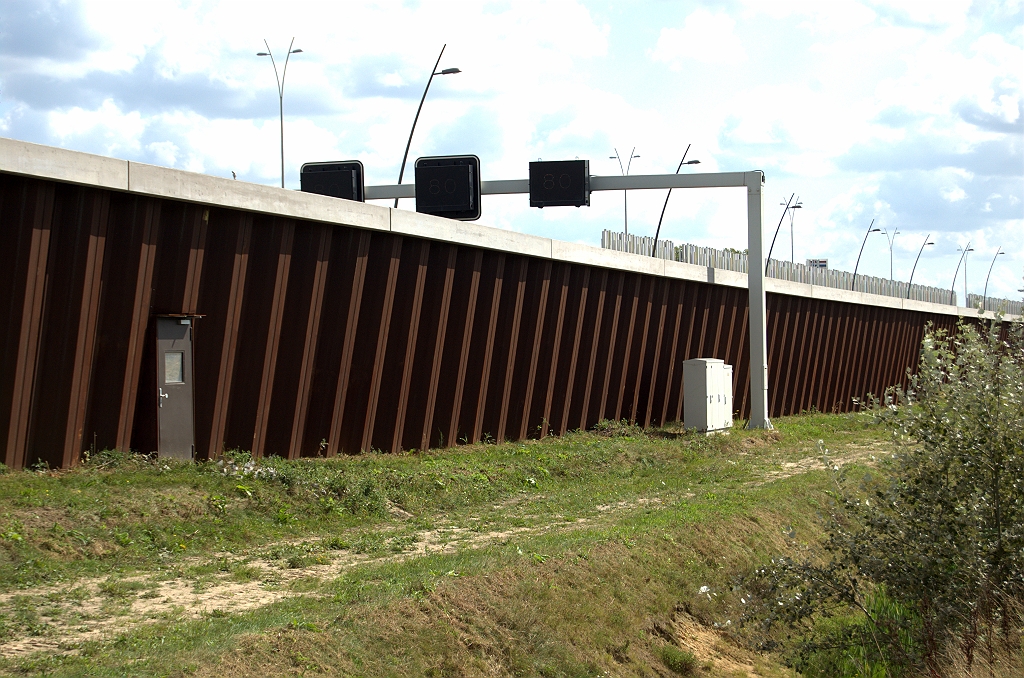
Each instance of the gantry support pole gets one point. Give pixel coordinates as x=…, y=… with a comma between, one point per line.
x=758, y=307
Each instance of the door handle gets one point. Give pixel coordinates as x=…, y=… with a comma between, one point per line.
x=162, y=395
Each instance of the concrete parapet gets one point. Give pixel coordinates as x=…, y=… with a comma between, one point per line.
x=216, y=191
x=59, y=164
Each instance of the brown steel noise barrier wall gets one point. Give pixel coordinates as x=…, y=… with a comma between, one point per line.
x=318, y=339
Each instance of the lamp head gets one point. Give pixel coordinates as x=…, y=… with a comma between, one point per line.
x=688, y=162
x=874, y=230
x=262, y=53
x=797, y=206
x=450, y=71
x=929, y=243
x=295, y=51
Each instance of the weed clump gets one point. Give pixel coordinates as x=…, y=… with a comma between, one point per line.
x=678, y=661
x=619, y=429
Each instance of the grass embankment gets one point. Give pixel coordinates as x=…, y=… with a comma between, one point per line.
x=596, y=553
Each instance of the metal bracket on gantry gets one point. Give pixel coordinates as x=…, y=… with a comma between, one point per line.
x=752, y=181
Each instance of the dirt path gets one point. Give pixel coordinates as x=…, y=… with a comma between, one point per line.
x=860, y=454
x=86, y=610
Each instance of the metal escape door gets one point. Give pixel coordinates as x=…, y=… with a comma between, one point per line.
x=176, y=431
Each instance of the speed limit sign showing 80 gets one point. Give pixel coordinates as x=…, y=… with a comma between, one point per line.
x=560, y=183
x=449, y=186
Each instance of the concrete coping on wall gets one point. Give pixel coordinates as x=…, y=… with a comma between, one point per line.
x=59, y=164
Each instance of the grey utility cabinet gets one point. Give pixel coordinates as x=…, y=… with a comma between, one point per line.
x=707, y=394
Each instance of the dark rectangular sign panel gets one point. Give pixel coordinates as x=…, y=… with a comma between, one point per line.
x=560, y=183
x=336, y=179
x=449, y=186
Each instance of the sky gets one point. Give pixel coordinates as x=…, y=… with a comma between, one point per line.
x=905, y=113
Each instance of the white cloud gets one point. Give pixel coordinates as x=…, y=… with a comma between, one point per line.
x=954, y=194
x=164, y=151
x=118, y=132
x=705, y=37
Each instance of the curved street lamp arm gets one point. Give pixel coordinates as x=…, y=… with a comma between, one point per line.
x=853, y=284
x=277, y=78
x=280, y=97
x=891, y=240
x=911, y=282
x=658, y=231
x=625, y=193
x=426, y=89
x=621, y=171
x=984, y=298
x=769, y=257
x=284, y=71
x=957, y=272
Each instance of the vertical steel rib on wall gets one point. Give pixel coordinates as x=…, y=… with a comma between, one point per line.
x=284, y=260
x=510, y=363
x=53, y=374
x=644, y=331
x=595, y=339
x=438, y=352
x=563, y=423
x=485, y=368
x=35, y=216
x=465, y=345
x=535, y=346
x=383, y=330
x=74, y=437
x=613, y=333
x=139, y=322
x=410, y=346
x=556, y=345
x=351, y=326
x=309, y=345
x=231, y=312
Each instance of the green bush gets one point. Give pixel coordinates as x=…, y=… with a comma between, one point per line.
x=678, y=661
x=930, y=558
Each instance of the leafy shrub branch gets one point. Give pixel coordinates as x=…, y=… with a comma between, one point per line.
x=926, y=563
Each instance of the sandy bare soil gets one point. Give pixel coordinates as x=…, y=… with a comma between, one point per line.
x=83, y=611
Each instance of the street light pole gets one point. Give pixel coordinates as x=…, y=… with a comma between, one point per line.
x=792, y=243
x=654, y=250
x=952, y=287
x=280, y=89
x=433, y=72
x=969, y=249
x=768, y=259
x=891, y=241
x=625, y=173
x=926, y=242
x=853, y=285
x=984, y=298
